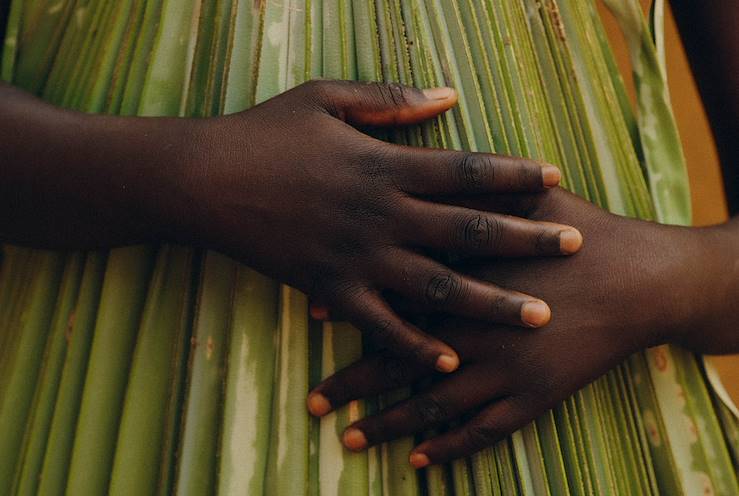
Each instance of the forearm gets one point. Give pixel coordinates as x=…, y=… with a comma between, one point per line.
x=74, y=180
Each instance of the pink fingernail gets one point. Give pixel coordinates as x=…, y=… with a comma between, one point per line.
x=318, y=312
x=447, y=363
x=318, y=404
x=551, y=176
x=354, y=439
x=570, y=241
x=438, y=93
x=535, y=313
x=419, y=460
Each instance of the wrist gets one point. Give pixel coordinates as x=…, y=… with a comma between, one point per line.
x=669, y=269
x=223, y=194
x=709, y=286
x=171, y=205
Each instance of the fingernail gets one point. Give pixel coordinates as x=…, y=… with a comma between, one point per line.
x=318, y=312
x=419, y=460
x=550, y=176
x=318, y=404
x=354, y=439
x=535, y=313
x=438, y=93
x=447, y=363
x=570, y=241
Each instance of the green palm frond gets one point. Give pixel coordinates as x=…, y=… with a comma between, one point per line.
x=150, y=370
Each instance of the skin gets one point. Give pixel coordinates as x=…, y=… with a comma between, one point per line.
x=633, y=285
x=292, y=188
x=507, y=377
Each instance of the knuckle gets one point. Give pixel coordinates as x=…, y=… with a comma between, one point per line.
x=546, y=242
x=313, y=85
x=392, y=94
x=430, y=409
x=444, y=288
x=479, y=232
x=474, y=170
x=317, y=89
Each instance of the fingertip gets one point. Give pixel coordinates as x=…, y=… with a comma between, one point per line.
x=550, y=175
x=318, y=312
x=318, y=404
x=535, y=313
x=438, y=100
x=430, y=103
x=441, y=93
x=570, y=241
x=447, y=363
x=419, y=460
x=354, y=439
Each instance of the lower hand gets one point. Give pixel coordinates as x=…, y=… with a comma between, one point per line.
x=634, y=284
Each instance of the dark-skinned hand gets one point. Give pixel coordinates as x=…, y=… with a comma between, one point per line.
x=344, y=217
x=633, y=284
x=292, y=188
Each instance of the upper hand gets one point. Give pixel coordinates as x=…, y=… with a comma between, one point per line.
x=291, y=188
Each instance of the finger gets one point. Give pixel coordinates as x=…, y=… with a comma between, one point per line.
x=472, y=232
x=381, y=325
x=439, y=288
x=319, y=312
x=485, y=429
x=370, y=376
x=379, y=104
x=440, y=403
x=426, y=171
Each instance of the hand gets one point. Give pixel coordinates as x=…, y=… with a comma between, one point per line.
x=292, y=189
x=634, y=284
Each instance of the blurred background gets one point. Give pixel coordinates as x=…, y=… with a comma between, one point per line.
x=708, y=198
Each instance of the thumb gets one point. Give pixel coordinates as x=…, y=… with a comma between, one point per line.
x=380, y=104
